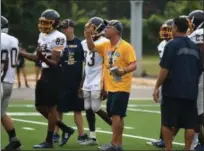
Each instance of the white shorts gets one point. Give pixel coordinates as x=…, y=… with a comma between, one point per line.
x=200, y=102
x=92, y=100
x=7, y=90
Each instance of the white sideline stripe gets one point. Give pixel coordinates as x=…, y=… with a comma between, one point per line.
x=129, y=128
x=28, y=128
x=99, y=131
x=129, y=105
x=33, y=114
x=71, y=114
x=142, y=110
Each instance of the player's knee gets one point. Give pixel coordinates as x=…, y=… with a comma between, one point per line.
x=96, y=105
x=87, y=104
x=95, y=95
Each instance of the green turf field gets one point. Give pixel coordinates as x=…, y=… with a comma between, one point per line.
x=141, y=125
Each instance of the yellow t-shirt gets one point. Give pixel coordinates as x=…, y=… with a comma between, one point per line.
x=119, y=56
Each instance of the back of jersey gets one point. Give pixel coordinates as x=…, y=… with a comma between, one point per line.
x=9, y=53
x=93, y=67
x=197, y=38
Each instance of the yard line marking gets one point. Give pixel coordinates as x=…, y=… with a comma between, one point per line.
x=99, y=131
x=145, y=111
x=129, y=105
x=28, y=128
x=129, y=128
x=34, y=114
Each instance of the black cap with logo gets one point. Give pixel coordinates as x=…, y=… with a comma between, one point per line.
x=117, y=24
x=67, y=23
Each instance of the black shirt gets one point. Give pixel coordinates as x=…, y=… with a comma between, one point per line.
x=72, y=63
x=182, y=59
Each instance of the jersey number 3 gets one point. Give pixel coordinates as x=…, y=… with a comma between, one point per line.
x=91, y=61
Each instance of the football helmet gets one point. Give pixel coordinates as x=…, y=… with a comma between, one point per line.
x=99, y=26
x=4, y=25
x=197, y=18
x=48, y=21
x=166, y=30
x=190, y=24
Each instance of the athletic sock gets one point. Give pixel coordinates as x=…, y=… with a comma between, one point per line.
x=93, y=134
x=11, y=133
x=91, y=119
x=63, y=127
x=104, y=116
x=49, y=136
x=161, y=137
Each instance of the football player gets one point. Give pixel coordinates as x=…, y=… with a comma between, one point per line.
x=51, y=43
x=166, y=35
x=93, y=82
x=9, y=54
x=72, y=66
x=197, y=19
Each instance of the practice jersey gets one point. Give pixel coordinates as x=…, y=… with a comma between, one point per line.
x=161, y=47
x=93, y=67
x=197, y=38
x=9, y=51
x=50, y=42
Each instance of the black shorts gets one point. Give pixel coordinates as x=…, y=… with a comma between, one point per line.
x=47, y=92
x=179, y=113
x=69, y=101
x=117, y=103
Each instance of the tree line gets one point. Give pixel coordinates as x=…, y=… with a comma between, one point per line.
x=23, y=16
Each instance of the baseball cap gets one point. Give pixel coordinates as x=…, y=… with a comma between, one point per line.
x=67, y=23
x=115, y=23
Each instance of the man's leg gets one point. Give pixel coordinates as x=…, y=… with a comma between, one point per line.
x=78, y=119
x=56, y=135
x=189, y=134
x=46, y=105
x=168, y=136
x=116, y=108
x=6, y=120
x=25, y=76
x=117, y=129
x=96, y=106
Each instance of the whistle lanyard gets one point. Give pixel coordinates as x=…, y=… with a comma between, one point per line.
x=113, y=52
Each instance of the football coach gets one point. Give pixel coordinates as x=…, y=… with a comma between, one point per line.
x=181, y=67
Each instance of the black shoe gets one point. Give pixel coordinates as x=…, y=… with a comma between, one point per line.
x=108, y=147
x=89, y=141
x=65, y=136
x=14, y=144
x=44, y=145
x=82, y=139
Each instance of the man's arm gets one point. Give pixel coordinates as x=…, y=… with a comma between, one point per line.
x=131, y=67
x=53, y=61
x=161, y=77
x=29, y=56
x=89, y=28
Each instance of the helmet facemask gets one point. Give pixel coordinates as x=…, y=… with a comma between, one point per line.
x=45, y=25
x=166, y=32
x=96, y=30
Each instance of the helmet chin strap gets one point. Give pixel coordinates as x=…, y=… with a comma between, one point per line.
x=4, y=30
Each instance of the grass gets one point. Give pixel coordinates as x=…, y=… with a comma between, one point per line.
x=149, y=63
x=140, y=125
